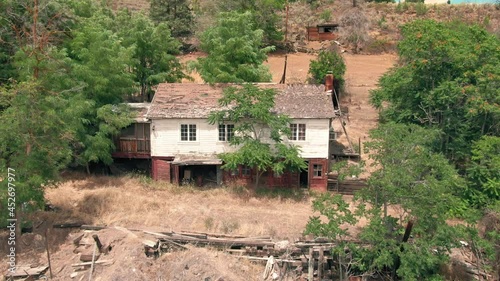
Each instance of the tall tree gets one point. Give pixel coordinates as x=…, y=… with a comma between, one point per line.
x=100, y=68
x=421, y=187
x=449, y=79
x=154, y=50
x=265, y=15
x=234, y=52
x=258, y=132
x=30, y=25
x=34, y=134
x=175, y=13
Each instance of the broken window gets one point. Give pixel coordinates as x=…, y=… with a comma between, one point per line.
x=317, y=170
x=226, y=132
x=298, y=132
x=188, y=132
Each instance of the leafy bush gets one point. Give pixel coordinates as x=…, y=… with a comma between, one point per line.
x=326, y=15
x=327, y=61
x=421, y=9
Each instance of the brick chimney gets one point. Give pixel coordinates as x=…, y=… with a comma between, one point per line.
x=329, y=82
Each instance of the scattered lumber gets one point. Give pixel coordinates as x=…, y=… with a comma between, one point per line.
x=27, y=271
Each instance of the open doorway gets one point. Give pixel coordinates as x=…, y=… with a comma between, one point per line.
x=304, y=176
x=200, y=175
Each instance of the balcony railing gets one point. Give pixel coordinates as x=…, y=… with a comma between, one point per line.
x=133, y=145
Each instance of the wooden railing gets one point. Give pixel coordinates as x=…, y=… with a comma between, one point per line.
x=133, y=145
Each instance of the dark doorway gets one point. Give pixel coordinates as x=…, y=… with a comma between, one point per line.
x=304, y=177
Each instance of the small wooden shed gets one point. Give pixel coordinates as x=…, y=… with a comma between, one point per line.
x=322, y=32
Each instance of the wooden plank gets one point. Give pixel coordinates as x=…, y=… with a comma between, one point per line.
x=93, y=227
x=102, y=262
x=310, y=268
x=293, y=262
x=320, y=264
x=26, y=270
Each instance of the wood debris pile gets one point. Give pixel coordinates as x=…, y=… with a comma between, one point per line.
x=309, y=259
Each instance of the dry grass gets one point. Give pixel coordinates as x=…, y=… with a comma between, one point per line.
x=128, y=202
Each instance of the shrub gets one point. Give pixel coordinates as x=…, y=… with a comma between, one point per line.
x=378, y=46
x=420, y=9
x=327, y=61
x=326, y=15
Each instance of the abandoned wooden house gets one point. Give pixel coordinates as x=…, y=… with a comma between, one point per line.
x=322, y=32
x=184, y=147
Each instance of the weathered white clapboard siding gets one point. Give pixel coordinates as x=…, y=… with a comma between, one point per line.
x=166, y=138
x=317, y=138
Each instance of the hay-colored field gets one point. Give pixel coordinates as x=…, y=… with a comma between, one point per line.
x=127, y=202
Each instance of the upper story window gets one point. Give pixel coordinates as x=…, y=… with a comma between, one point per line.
x=298, y=132
x=226, y=132
x=188, y=132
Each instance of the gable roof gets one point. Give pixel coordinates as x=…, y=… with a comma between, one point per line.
x=178, y=100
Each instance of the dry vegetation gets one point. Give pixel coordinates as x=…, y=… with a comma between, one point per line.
x=130, y=202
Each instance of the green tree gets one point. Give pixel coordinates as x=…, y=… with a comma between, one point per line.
x=175, y=13
x=34, y=140
x=63, y=105
x=234, y=52
x=258, y=132
x=327, y=62
x=34, y=134
x=448, y=79
x=483, y=174
x=421, y=187
x=100, y=68
x=17, y=22
x=265, y=15
x=154, y=50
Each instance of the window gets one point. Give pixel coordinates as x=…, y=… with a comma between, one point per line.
x=226, y=132
x=188, y=132
x=317, y=170
x=245, y=171
x=298, y=132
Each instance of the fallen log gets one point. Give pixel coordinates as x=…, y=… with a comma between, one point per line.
x=88, y=257
x=78, y=225
x=67, y=225
x=93, y=227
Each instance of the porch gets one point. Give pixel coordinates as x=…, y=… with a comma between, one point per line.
x=133, y=142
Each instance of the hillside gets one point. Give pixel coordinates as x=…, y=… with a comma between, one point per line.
x=384, y=19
